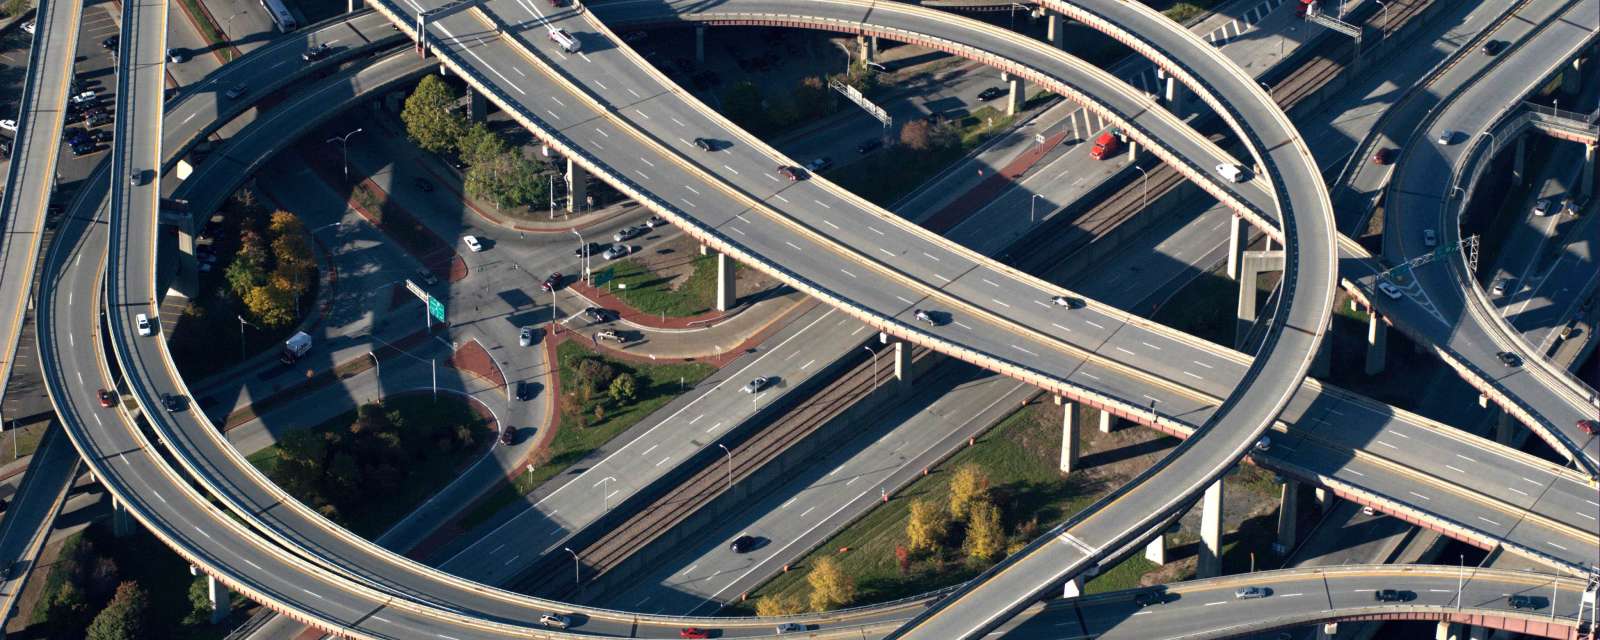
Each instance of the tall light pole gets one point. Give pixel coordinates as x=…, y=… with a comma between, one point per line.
x=583, y=260
x=730, y=465
x=874, y=366
x=377, y=372
x=1461, y=576
x=605, y=497
x=1144, y=187
x=242, y=325
x=575, y=565
x=1385, y=7
x=344, y=145
x=1032, y=202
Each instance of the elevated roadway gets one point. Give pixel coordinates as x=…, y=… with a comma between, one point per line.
x=31, y=177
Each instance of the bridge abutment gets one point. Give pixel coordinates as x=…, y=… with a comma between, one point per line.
x=577, y=187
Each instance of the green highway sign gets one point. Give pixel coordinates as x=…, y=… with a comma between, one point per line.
x=436, y=308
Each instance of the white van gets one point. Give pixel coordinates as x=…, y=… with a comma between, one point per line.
x=564, y=40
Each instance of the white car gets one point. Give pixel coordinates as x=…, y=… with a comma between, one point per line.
x=1233, y=172
x=87, y=96
x=755, y=386
x=1390, y=290
x=616, y=251
x=1446, y=137
x=9, y=125
x=473, y=244
x=142, y=321
x=555, y=620
x=1429, y=238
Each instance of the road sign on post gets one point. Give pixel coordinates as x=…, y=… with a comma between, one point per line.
x=862, y=101
x=436, y=308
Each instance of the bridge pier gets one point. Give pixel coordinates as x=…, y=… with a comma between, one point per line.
x=1069, y=435
x=1377, y=343
x=1446, y=631
x=577, y=187
x=1108, y=422
x=1172, y=93
x=1251, y=264
x=1017, y=96
x=1073, y=588
x=221, y=598
x=727, y=294
x=900, y=353
x=1586, y=178
x=1328, y=630
x=868, y=46
x=700, y=44
x=1519, y=161
x=1055, y=26
x=1156, y=551
x=477, y=105
x=122, y=523
x=1238, y=241
x=1288, y=515
x=1210, y=557
x=1505, y=427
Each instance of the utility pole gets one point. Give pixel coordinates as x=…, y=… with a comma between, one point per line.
x=874, y=366
x=344, y=145
x=730, y=465
x=575, y=565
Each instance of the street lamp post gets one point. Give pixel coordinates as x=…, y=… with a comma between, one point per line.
x=730, y=465
x=242, y=325
x=583, y=261
x=1385, y=7
x=874, y=366
x=1144, y=187
x=345, y=147
x=575, y=565
x=1461, y=575
x=377, y=372
x=605, y=496
x=1032, y=203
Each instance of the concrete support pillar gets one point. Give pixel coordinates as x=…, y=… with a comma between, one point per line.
x=1133, y=152
x=1445, y=631
x=1069, y=435
x=1505, y=427
x=477, y=105
x=221, y=600
x=1519, y=162
x=1073, y=588
x=1108, y=422
x=1325, y=499
x=868, y=46
x=577, y=187
x=700, y=44
x=1288, y=515
x=1210, y=558
x=1586, y=177
x=726, y=293
x=1377, y=343
x=122, y=523
x=1572, y=78
x=1018, y=95
x=1251, y=265
x=1327, y=631
x=1238, y=241
x=1055, y=27
x=1156, y=551
x=901, y=352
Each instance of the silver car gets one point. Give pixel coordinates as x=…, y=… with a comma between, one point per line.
x=616, y=251
x=525, y=337
x=755, y=386
x=1251, y=593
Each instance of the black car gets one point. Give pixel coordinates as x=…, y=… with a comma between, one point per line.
x=1389, y=595
x=551, y=283
x=99, y=119
x=524, y=391
x=869, y=146
x=317, y=52
x=508, y=436
x=991, y=93
x=172, y=402
x=1509, y=359
x=1525, y=602
x=82, y=149
x=742, y=544
x=598, y=314
x=591, y=249
x=1494, y=47
x=100, y=135
x=704, y=144
x=1146, y=598
x=110, y=43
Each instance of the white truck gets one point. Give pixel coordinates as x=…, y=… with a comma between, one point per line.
x=297, y=345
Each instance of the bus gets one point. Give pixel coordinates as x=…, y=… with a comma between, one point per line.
x=280, y=15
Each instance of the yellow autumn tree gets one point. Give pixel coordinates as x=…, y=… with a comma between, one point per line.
x=830, y=586
x=985, y=536
x=968, y=485
x=779, y=605
x=926, y=528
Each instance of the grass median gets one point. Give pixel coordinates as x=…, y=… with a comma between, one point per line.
x=654, y=294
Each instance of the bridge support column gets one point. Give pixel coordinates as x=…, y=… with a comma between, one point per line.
x=1055, y=26
x=1210, y=558
x=1505, y=427
x=1586, y=177
x=1156, y=551
x=1073, y=588
x=868, y=46
x=1572, y=79
x=1288, y=515
x=1108, y=422
x=1519, y=162
x=221, y=600
x=577, y=187
x=1251, y=265
x=1325, y=499
x=121, y=521
x=1018, y=95
x=1377, y=343
x=902, y=364
x=1328, y=630
x=1446, y=631
x=700, y=44
x=727, y=295
x=1069, y=435
x=477, y=105
x=1238, y=241
x=1171, y=93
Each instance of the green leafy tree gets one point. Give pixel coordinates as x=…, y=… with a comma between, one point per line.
x=507, y=179
x=124, y=618
x=199, y=603
x=63, y=612
x=985, y=535
x=479, y=144
x=969, y=485
x=244, y=274
x=927, y=526
x=595, y=375
x=623, y=388
x=429, y=118
x=831, y=587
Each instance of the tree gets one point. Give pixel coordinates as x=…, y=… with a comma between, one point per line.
x=779, y=605
x=968, y=486
x=902, y=555
x=14, y=7
x=623, y=388
x=199, y=602
x=282, y=223
x=811, y=98
x=830, y=586
x=927, y=526
x=916, y=135
x=508, y=179
x=594, y=374
x=985, y=536
x=124, y=617
x=271, y=304
x=430, y=120
x=244, y=274
x=478, y=144
x=63, y=612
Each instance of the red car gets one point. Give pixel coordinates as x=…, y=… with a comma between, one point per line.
x=692, y=632
x=108, y=399
x=1590, y=427
x=1383, y=156
x=788, y=172
x=551, y=283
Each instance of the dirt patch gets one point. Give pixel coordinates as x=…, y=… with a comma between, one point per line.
x=473, y=358
x=674, y=259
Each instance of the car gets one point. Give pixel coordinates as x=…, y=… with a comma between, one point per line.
x=1544, y=206
x=924, y=317
x=508, y=435
x=616, y=251
x=656, y=221
x=1430, y=238
x=598, y=314
x=1264, y=444
x=1500, y=286
x=177, y=56
x=704, y=144
x=1446, y=137
x=791, y=627
x=422, y=185
x=1383, y=156
x=1251, y=593
x=1368, y=511
x=235, y=91
x=1068, y=302
x=556, y=620
x=1590, y=427
x=1525, y=602
x=142, y=321
x=755, y=386
x=29, y=27
x=1509, y=359
x=100, y=135
x=742, y=544
x=473, y=243
x=819, y=165
x=136, y=176
x=1233, y=172
x=525, y=391
x=990, y=93
x=83, y=98
x=82, y=149
x=107, y=398
x=610, y=334
x=172, y=402
x=1390, y=290
x=588, y=249
x=1146, y=598
x=111, y=42
x=693, y=632
x=629, y=233
x=868, y=146
x=525, y=337
x=8, y=125
x=99, y=119
x=1493, y=47
x=551, y=282
x=784, y=171
x=317, y=52
x=1389, y=595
